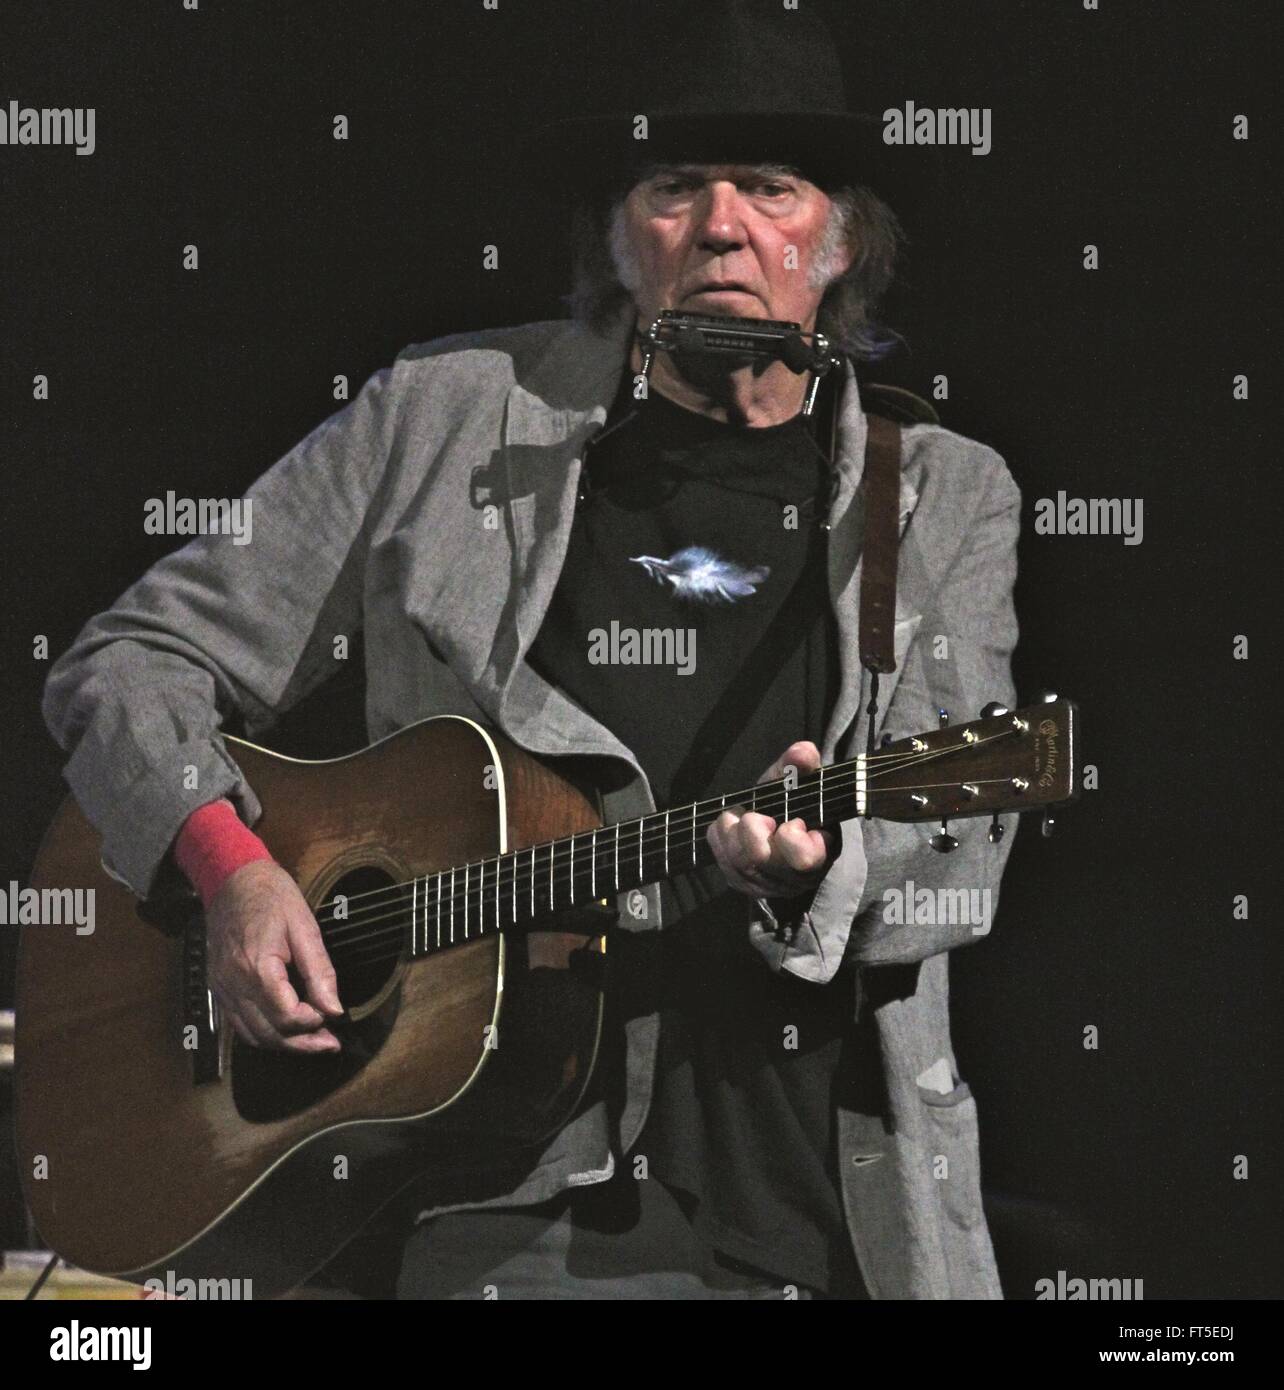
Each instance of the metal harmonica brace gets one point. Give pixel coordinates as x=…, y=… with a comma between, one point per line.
x=773, y=339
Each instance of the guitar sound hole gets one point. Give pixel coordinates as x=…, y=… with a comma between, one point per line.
x=365, y=922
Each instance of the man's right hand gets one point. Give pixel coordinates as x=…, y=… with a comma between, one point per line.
x=257, y=925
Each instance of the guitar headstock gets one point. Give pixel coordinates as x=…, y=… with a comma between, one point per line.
x=1016, y=760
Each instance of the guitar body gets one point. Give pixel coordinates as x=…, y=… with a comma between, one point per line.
x=142, y=1155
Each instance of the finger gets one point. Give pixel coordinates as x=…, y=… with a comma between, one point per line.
x=740, y=845
x=743, y=848
x=727, y=821
x=262, y=1034
x=796, y=863
x=322, y=1040
x=721, y=834
x=749, y=849
x=802, y=756
x=794, y=847
x=284, y=1010
x=720, y=831
x=307, y=951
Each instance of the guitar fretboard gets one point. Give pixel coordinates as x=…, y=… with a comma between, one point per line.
x=515, y=889
x=999, y=762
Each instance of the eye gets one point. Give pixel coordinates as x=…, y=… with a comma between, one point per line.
x=772, y=188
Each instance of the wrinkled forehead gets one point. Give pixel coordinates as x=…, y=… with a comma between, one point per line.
x=710, y=173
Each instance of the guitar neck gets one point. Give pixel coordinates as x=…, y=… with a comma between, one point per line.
x=1003, y=762
x=513, y=890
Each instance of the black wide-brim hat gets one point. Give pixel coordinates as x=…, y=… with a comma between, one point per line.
x=720, y=81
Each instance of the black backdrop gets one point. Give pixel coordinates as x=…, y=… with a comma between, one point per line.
x=320, y=257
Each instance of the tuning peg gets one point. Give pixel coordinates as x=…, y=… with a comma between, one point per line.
x=996, y=830
x=994, y=708
x=943, y=842
x=1046, y=697
x=1049, y=821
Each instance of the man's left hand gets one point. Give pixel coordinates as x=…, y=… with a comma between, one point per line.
x=762, y=859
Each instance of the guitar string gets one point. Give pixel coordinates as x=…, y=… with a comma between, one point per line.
x=472, y=898
x=649, y=841
x=681, y=822
x=682, y=818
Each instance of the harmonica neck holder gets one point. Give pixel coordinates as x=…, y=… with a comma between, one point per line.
x=766, y=339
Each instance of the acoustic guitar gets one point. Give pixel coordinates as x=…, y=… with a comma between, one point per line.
x=465, y=891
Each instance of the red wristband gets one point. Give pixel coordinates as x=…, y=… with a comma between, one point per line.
x=212, y=845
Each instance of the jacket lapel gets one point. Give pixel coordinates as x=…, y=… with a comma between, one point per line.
x=549, y=418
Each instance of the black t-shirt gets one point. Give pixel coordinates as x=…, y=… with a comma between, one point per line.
x=707, y=532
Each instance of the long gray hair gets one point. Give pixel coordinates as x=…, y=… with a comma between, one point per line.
x=858, y=220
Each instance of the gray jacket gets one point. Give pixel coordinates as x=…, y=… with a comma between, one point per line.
x=378, y=520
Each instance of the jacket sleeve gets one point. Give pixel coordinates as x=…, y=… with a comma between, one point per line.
x=860, y=910
x=219, y=629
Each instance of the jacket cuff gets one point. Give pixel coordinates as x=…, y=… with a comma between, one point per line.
x=143, y=821
x=808, y=938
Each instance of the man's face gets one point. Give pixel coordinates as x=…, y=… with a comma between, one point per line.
x=736, y=239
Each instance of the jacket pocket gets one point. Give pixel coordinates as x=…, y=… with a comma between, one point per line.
x=953, y=1140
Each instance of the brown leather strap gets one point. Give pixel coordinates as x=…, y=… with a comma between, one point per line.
x=881, y=485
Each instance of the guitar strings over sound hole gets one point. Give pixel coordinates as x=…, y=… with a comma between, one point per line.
x=366, y=927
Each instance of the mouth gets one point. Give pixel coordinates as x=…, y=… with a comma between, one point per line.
x=720, y=287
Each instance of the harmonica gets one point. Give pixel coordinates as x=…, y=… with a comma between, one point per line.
x=773, y=339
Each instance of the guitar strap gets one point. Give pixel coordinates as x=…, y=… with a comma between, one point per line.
x=881, y=484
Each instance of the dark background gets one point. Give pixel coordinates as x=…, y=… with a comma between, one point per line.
x=319, y=257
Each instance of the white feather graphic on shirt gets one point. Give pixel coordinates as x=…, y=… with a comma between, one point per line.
x=700, y=575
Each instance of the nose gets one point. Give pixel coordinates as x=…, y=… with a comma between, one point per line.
x=720, y=225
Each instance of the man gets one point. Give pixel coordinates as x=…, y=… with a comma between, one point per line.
x=786, y=1115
